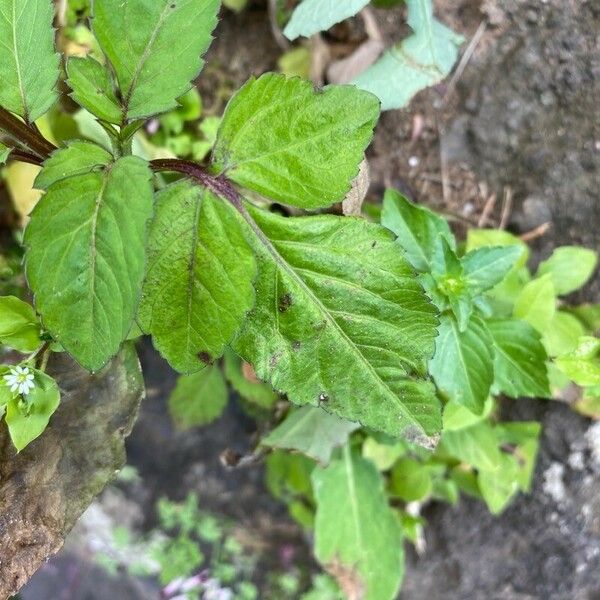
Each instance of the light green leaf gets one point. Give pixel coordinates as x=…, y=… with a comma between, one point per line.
x=340, y=320
x=419, y=61
x=570, y=267
x=77, y=158
x=198, y=399
x=28, y=61
x=364, y=551
x=520, y=359
x=252, y=390
x=25, y=423
x=583, y=364
x=155, y=48
x=536, y=303
x=281, y=138
x=499, y=486
x=480, y=238
x=311, y=431
x=4, y=154
x=198, y=284
x=19, y=325
x=456, y=416
x=383, y=456
x=313, y=16
x=476, y=446
x=93, y=88
x=410, y=481
x=417, y=228
x=563, y=333
x=486, y=267
x=463, y=364
x=85, y=257
x=589, y=315
x=524, y=436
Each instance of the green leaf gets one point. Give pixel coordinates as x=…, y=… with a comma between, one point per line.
x=198, y=399
x=536, y=303
x=198, y=285
x=419, y=61
x=93, y=88
x=476, y=446
x=499, y=486
x=281, y=138
x=570, y=267
x=311, y=431
x=313, y=16
x=257, y=392
x=85, y=257
x=480, y=238
x=410, y=480
x=563, y=333
x=583, y=364
x=28, y=61
x=19, y=325
x=463, y=364
x=363, y=551
x=4, y=154
x=383, y=456
x=155, y=48
x=524, y=436
x=340, y=320
x=520, y=359
x=27, y=423
x=77, y=158
x=589, y=315
x=456, y=416
x=417, y=228
x=486, y=267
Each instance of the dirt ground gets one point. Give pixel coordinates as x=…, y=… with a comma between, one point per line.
x=513, y=139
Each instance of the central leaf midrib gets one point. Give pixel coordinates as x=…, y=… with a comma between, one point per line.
x=292, y=273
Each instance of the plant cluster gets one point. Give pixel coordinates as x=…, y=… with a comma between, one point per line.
x=391, y=341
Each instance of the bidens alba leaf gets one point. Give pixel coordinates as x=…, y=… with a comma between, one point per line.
x=340, y=320
x=85, y=257
x=291, y=143
x=198, y=286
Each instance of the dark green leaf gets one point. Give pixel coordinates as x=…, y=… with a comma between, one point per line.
x=311, y=431
x=78, y=158
x=341, y=320
x=520, y=359
x=246, y=384
x=281, y=138
x=19, y=325
x=463, y=364
x=199, y=398
x=198, y=285
x=28, y=61
x=417, y=228
x=486, y=267
x=357, y=536
x=155, y=48
x=85, y=257
x=93, y=88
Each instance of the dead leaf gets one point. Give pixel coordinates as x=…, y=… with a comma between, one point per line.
x=46, y=488
x=352, y=203
x=348, y=579
x=347, y=69
x=19, y=179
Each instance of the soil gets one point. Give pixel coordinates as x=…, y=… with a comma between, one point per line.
x=520, y=125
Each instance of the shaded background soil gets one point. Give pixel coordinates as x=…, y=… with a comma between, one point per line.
x=512, y=140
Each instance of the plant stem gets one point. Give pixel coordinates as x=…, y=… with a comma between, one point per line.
x=23, y=156
x=26, y=135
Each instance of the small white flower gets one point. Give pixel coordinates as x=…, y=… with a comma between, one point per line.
x=20, y=380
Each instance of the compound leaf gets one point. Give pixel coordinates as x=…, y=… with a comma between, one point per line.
x=357, y=536
x=313, y=16
x=19, y=325
x=519, y=359
x=93, y=88
x=417, y=228
x=570, y=267
x=155, y=48
x=281, y=138
x=463, y=364
x=77, y=158
x=85, y=257
x=199, y=398
x=312, y=431
x=28, y=62
x=341, y=320
x=420, y=61
x=198, y=285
